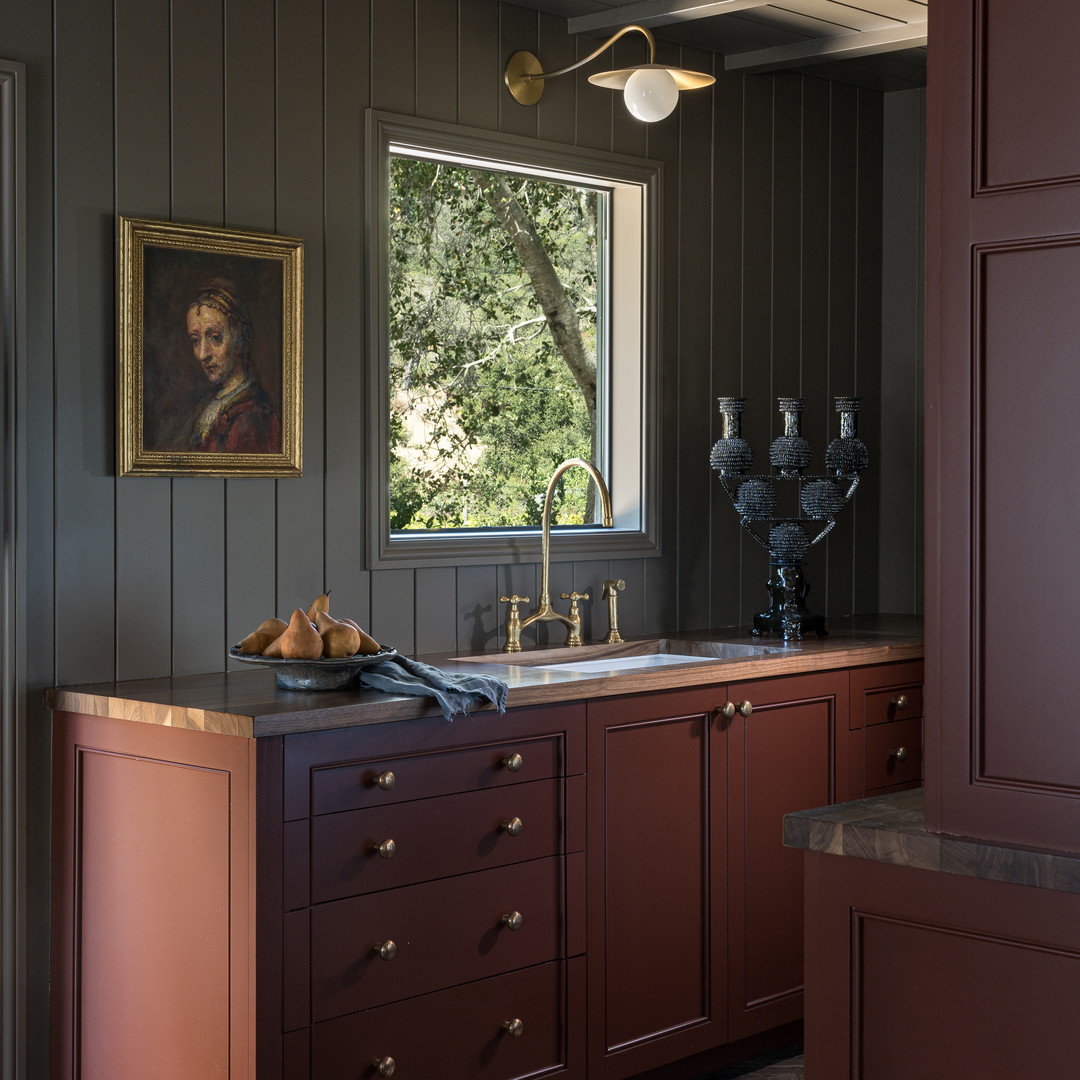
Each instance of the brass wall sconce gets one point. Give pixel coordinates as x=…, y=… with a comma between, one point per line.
x=650, y=91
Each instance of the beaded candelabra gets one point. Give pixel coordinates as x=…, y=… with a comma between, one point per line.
x=788, y=537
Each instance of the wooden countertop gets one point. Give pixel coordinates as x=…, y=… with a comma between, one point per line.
x=891, y=829
x=249, y=703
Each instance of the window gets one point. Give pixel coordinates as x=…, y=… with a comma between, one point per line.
x=513, y=326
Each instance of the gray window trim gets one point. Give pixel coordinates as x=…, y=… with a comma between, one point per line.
x=384, y=129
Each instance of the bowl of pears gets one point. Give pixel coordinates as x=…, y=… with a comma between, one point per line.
x=312, y=650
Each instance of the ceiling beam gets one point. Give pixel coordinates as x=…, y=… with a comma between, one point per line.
x=816, y=50
x=656, y=13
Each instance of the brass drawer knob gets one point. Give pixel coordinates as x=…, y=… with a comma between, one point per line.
x=513, y=762
x=900, y=701
x=727, y=710
x=385, y=780
x=384, y=1066
x=513, y=827
x=386, y=850
x=387, y=950
x=899, y=752
x=514, y=1028
x=513, y=920
x=744, y=708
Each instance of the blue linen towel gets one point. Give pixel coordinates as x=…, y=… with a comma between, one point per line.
x=454, y=691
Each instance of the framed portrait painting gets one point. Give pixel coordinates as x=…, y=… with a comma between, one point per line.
x=210, y=340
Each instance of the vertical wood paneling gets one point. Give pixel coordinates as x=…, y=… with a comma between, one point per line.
x=437, y=60
x=250, y=203
x=900, y=452
x=479, y=618
x=866, y=516
x=481, y=65
x=843, y=297
x=694, y=337
x=301, y=503
x=393, y=619
x=347, y=95
x=555, y=113
x=518, y=29
x=143, y=506
x=436, y=608
x=786, y=222
x=82, y=331
x=393, y=55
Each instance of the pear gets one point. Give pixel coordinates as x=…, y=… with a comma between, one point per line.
x=266, y=632
x=320, y=603
x=368, y=645
x=301, y=641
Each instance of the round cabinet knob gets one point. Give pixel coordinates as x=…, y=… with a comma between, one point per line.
x=744, y=708
x=900, y=753
x=513, y=762
x=514, y=1028
x=900, y=701
x=727, y=710
x=384, y=1066
x=513, y=920
x=387, y=950
x=385, y=780
x=513, y=827
x=386, y=850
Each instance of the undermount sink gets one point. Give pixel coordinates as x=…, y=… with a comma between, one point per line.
x=656, y=652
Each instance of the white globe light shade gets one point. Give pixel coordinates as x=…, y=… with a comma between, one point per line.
x=651, y=94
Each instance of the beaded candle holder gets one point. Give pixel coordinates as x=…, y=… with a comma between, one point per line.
x=819, y=499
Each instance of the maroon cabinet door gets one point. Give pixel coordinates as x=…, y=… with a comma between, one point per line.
x=656, y=898
x=787, y=754
x=1003, y=321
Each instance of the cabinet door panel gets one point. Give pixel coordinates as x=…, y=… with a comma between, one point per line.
x=780, y=759
x=655, y=940
x=445, y=932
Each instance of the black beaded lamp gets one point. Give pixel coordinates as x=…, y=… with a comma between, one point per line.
x=788, y=537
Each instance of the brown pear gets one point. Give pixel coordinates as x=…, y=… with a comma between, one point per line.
x=340, y=640
x=320, y=603
x=301, y=641
x=266, y=632
x=368, y=645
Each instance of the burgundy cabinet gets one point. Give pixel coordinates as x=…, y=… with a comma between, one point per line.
x=788, y=753
x=656, y=922
x=1003, y=260
x=885, y=738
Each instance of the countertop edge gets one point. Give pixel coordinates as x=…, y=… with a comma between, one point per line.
x=891, y=829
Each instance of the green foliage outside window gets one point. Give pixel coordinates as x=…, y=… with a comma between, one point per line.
x=492, y=324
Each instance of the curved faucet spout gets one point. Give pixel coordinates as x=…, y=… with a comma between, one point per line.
x=544, y=611
x=605, y=509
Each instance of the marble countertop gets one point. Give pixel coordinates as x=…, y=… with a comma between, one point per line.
x=891, y=829
x=249, y=703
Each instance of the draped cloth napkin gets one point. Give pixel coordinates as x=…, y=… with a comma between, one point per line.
x=454, y=691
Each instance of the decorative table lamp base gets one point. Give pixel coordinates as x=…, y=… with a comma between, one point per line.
x=788, y=618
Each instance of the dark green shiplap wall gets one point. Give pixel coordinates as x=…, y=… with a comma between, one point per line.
x=250, y=113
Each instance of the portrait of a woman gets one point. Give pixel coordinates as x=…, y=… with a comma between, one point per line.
x=236, y=416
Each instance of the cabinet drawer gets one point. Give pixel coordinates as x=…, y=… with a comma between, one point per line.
x=355, y=785
x=362, y=851
x=894, y=703
x=445, y=932
x=459, y=1034
x=893, y=753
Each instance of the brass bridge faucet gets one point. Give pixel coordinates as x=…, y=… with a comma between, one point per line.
x=545, y=612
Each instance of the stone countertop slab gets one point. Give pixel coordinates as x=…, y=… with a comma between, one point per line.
x=891, y=829
x=248, y=703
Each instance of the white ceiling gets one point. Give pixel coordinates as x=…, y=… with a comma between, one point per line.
x=880, y=43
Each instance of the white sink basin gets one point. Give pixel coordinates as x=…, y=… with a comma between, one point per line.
x=618, y=663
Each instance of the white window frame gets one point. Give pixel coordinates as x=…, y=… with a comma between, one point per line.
x=629, y=397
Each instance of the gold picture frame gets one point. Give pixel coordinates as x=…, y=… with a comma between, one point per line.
x=210, y=335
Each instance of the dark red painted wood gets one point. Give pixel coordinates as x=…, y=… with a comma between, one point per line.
x=446, y=932
x=433, y=838
x=780, y=758
x=330, y=771
x=657, y=902
x=1003, y=255
x=154, y=872
x=458, y=1034
x=884, y=766
x=913, y=973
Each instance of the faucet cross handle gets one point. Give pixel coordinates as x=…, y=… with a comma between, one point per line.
x=513, y=600
x=513, y=621
x=573, y=597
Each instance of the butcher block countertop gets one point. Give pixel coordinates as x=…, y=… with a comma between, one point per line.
x=248, y=702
